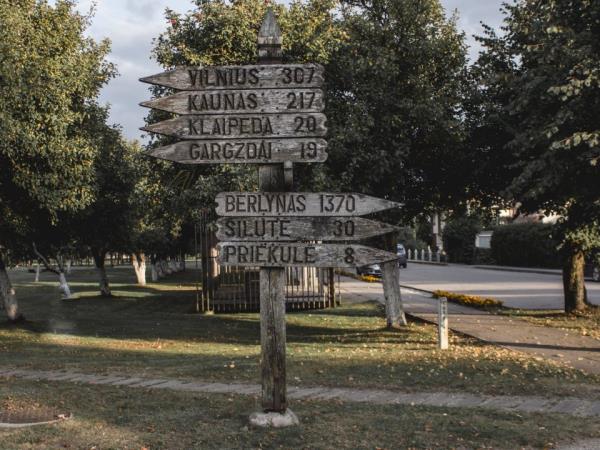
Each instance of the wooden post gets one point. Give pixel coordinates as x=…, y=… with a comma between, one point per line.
x=443, y=323
x=271, y=177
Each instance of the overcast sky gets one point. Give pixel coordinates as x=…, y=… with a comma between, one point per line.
x=132, y=24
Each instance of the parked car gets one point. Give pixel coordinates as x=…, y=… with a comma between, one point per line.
x=402, y=258
x=592, y=267
x=374, y=270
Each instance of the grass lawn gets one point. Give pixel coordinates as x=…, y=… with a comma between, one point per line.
x=151, y=332
x=585, y=323
x=125, y=418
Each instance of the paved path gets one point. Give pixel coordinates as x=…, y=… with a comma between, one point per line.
x=515, y=289
x=581, y=352
x=564, y=405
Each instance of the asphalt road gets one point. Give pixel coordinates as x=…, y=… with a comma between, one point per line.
x=515, y=289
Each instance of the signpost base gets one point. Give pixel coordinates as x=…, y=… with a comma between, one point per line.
x=274, y=419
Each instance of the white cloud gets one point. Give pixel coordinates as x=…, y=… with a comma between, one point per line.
x=132, y=24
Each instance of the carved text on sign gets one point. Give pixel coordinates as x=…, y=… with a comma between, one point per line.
x=299, y=228
x=242, y=126
x=240, y=77
x=243, y=150
x=240, y=101
x=281, y=254
x=298, y=204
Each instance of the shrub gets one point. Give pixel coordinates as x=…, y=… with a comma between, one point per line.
x=469, y=300
x=459, y=239
x=407, y=237
x=483, y=256
x=525, y=245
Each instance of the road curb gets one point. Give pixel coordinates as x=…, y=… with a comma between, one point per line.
x=540, y=271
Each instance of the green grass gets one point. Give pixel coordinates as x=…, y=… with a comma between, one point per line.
x=149, y=331
x=125, y=418
x=586, y=323
x=152, y=332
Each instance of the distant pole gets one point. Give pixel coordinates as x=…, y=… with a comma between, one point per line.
x=272, y=281
x=443, y=323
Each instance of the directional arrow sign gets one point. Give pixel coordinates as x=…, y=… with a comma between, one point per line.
x=299, y=229
x=281, y=254
x=242, y=126
x=288, y=204
x=240, y=77
x=241, y=101
x=257, y=151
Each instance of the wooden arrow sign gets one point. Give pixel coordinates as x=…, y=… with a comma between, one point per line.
x=242, y=126
x=241, y=101
x=235, y=204
x=281, y=254
x=243, y=151
x=240, y=77
x=299, y=229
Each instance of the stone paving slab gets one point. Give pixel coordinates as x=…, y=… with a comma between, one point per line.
x=565, y=405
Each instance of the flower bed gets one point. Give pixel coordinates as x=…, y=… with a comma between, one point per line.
x=469, y=300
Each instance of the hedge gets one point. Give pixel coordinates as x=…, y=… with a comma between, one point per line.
x=525, y=245
x=459, y=239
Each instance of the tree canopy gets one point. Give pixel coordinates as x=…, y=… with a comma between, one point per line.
x=539, y=88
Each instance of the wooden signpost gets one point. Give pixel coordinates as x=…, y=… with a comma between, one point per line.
x=238, y=126
x=240, y=151
x=310, y=204
x=263, y=76
x=268, y=114
x=247, y=101
x=290, y=254
x=282, y=229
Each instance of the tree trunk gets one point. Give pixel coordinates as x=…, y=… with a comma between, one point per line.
x=574, y=282
x=138, y=260
x=394, y=312
x=390, y=271
x=99, y=258
x=62, y=279
x=37, y=273
x=8, y=295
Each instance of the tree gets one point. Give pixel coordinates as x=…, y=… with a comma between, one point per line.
x=394, y=94
x=219, y=33
x=539, y=85
x=49, y=71
x=107, y=223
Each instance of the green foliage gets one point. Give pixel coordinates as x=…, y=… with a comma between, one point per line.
x=483, y=256
x=107, y=223
x=49, y=73
x=394, y=90
x=459, y=238
x=219, y=33
x=526, y=245
x=539, y=88
x=408, y=238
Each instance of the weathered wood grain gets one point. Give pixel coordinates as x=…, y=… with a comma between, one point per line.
x=289, y=204
x=243, y=151
x=281, y=254
x=299, y=229
x=240, y=77
x=248, y=101
x=272, y=280
x=240, y=126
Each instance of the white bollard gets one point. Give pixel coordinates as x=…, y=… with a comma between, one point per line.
x=443, y=323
